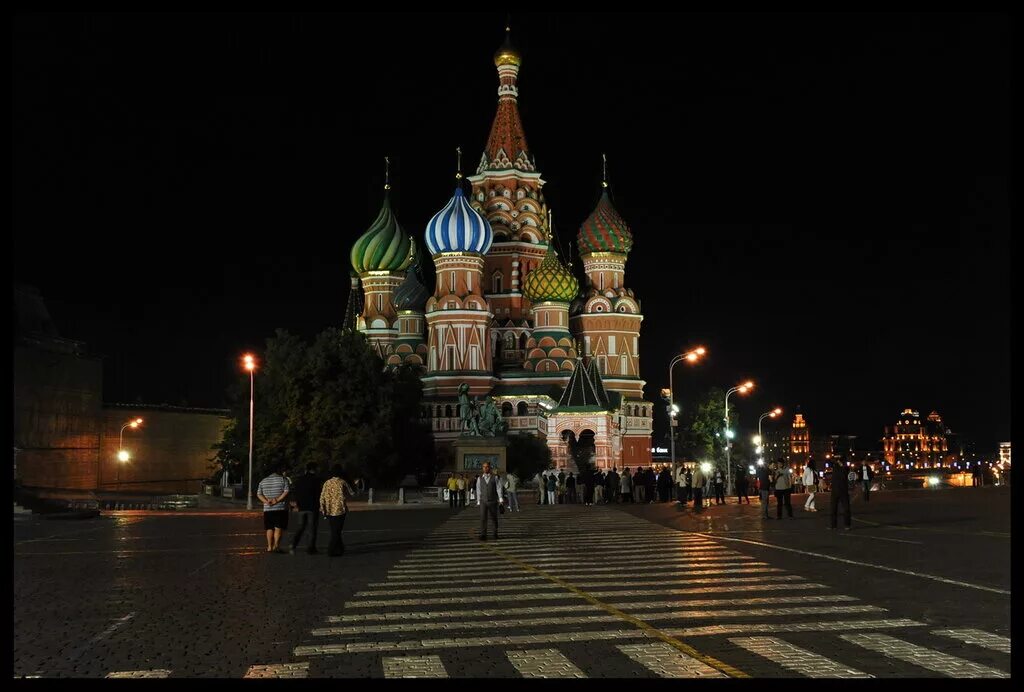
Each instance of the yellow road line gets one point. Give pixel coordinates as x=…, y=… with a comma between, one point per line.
x=647, y=628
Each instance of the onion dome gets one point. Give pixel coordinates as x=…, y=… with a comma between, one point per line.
x=411, y=294
x=507, y=55
x=458, y=228
x=385, y=246
x=604, y=230
x=550, y=281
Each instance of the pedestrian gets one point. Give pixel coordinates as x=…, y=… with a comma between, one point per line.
x=334, y=507
x=650, y=484
x=488, y=496
x=840, y=494
x=810, y=483
x=461, y=484
x=719, y=487
x=588, y=486
x=688, y=488
x=626, y=486
x=697, y=482
x=541, y=480
x=639, y=491
x=272, y=492
x=680, y=485
x=599, y=483
x=570, y=489
x=552, y=487
x=305, y=494
x=865, y=475
x=742, y=483
x=453, y=491
x=783, y=486
x=764, y=480
x=512, y=491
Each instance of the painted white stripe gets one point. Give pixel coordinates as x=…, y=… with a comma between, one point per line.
x=430, y=581
x=718, y=586
x=668, y=662
x=154, y=673
x=771, y=628
x=448, y=615
x=978, y=638
x=279, y=670
x=868, y=564
x=798, y=660
x=560, y=566
x=543, y=663
x=922, y=656
x=642, y=557
x=414, y=667
x=416, y=644
x=451, y=623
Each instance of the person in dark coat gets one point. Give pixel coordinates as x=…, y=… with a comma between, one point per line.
x=664, y=484
x=764, y=482
x=611, y=488
x=688, y=489
x=570, y=489
x=305, y=495
x=741, y=484
x=651, y=482
x=587, y=478
x=840, y=494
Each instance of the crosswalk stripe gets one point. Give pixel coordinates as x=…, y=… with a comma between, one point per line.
x=628, y=606
x=154, y=673
x=717, y=586
x=494, y=568
x=575, y=559
x=668, y=662
x=978, y=638
x=798, y=660
x=414, y=644
x=414, y=667
x=279, y=670
x=711, y=630
x=530, y=547
x=922, y=656
x=455, y=624
x=543, y=663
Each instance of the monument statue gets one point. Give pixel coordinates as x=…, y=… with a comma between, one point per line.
x=479, y=418
x=491, y=423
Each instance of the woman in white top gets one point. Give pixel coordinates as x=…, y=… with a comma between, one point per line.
x=808, y=481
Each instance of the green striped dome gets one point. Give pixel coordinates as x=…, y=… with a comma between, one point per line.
x=604, y=230
x=550, y=281
x=385, y=246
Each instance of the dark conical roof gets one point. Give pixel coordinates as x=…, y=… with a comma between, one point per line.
x=353, y=306
x=580, y=394
x=595, y=379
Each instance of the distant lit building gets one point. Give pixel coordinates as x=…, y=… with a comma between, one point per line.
x=916, y=443
x=1004, y=453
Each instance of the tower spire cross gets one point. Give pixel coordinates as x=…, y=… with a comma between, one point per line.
x=387, y=173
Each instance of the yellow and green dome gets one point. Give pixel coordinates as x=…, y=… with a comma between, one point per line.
x=384, y=246
x=550, y=281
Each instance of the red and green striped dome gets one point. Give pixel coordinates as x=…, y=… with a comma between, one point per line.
x=604, y=230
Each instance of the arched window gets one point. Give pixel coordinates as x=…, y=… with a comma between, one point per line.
x=448, y=411
x=438, y=411
x=522, y=341
x=496, y=281
x=506, y=409
x=522, y=409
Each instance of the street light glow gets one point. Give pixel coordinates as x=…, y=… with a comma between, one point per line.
x=123, y=455
x=249, y=361
x=777, y=412
x=705, y=467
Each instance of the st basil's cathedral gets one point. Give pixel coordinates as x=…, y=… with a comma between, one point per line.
x=507, y=316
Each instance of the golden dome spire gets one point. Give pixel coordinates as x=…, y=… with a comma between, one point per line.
x=507, y=55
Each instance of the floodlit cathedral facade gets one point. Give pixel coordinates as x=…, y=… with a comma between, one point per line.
x=559, y=356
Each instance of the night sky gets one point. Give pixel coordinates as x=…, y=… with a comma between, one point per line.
x=821, y=200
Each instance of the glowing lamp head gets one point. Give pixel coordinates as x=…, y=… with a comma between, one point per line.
x=692, y=356
x=933, y=480
x=760, y=462
x=700, y=350
x=730, y=434
x=757, y=439
x=123, y=455
x=750, y=469
x=675, y=408
x=777, y=412
x=134, y=424
x=705, y=467
x=748, y=384
x=249, y=362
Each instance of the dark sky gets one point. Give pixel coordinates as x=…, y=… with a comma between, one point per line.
x=821, y=200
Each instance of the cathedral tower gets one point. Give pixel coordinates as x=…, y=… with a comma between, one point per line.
x=550, y=288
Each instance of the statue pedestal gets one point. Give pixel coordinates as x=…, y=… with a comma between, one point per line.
x=471, y=452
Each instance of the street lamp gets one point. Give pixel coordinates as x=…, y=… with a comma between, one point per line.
x=122, y=454
x=770, y=414
x=691, y=357
x=742, y=389
x=250, y=364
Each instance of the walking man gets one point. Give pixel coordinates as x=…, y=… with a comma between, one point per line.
x=552, y=486
x=272, y=491
x=453, y=492
x=488, y=496
x=783, y=488
x=570, y=489
x=598, y=487
x=512, y=487
x=764, y=481
x=306, y=496
x=741, y=485
x=809, y=480
x=866, y=474
x=334, y=507
x=719, y=487
x=697, y=483
x=840, y=494
x=542, y=487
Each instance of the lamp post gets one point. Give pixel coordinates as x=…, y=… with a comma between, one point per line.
x=250, y=365
x=691, y=357
x=771, y=414
x=122, y=454
x=742, y=389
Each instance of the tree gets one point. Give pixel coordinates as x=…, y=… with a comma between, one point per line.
x=701, y=428
x=527, y=455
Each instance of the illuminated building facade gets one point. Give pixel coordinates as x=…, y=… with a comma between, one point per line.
x=1004, y=453
x=916, y=443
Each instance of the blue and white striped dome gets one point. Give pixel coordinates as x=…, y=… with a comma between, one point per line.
x=458, y=228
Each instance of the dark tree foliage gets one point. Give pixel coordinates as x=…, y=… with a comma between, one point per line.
x=527, y=456
x=329, y=401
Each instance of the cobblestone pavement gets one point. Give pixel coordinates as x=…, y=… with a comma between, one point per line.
x=567, y=592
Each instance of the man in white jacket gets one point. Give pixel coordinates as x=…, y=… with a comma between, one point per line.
x=808, y=481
